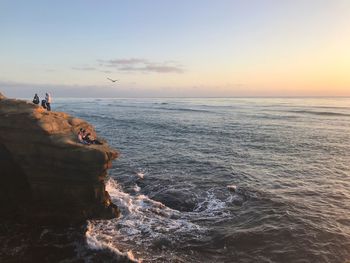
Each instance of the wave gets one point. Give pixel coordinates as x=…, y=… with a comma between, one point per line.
x=142, y=224
x=147, y=226
x=183, y=109
x=95, y=244
x=321, y=113
x=161, y=103
x=333, y=107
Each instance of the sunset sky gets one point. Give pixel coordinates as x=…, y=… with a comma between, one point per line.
x=161, y=48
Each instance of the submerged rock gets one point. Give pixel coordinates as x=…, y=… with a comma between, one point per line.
x=45, y=174
x=181, y=200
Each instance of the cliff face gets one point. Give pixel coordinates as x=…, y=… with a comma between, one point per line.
x=45, y=173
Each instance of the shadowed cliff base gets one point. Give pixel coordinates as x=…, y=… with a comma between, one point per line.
x=28, y=243
x=47, y=176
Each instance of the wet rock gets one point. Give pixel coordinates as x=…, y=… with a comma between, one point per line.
x=238, y=200
x=232, y=187
x=45, y=173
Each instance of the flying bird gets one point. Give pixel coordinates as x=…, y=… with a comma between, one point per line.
x=113, y=80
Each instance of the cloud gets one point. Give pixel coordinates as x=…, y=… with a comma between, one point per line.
x=133, y=65
x=123, y=61
x=142, y=65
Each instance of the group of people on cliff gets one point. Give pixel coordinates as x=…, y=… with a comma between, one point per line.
x=85, y=137
x=45, y=103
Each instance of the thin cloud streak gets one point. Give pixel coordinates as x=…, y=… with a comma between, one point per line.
x=123, y=61
x=142, y=65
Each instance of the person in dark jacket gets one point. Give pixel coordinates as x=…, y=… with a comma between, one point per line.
x=36, y=99
x=43, y=104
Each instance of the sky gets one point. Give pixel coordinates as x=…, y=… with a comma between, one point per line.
x=182, y=48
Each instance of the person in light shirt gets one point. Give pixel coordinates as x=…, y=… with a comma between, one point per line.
x=48, y=101
x=81, y=137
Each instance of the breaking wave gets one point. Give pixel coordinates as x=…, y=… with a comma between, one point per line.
x=144, y=224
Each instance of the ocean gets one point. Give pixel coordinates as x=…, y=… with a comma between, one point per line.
x=224, y=179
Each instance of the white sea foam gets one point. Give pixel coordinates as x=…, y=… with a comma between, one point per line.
x=95, y=243
x=143, y=221
x=210, y=203
x=212, y=206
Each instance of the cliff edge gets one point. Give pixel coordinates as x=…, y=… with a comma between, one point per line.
x=45, y=174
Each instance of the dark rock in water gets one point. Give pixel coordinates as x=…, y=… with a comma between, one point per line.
x=45, y=174
x=181, y=200
x=238, y=200
x=232, y=187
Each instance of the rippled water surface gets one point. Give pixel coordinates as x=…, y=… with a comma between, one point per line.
x=225, y=180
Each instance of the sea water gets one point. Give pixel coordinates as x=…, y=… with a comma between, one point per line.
x=224, y=180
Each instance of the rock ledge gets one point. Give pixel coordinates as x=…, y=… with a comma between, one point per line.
x=46, y=175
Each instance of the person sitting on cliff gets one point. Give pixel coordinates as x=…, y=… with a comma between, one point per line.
x=36, y=99
x=87, y=137
x=43, y=104
x=81, y=137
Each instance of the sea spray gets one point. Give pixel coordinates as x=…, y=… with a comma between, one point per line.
x=97, y=243
x=142, y=225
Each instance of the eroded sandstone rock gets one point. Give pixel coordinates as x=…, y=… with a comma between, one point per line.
x=58, y=179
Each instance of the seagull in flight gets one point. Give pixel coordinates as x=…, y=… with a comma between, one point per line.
x=113, y=80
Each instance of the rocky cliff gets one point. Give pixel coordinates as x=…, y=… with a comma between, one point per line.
x=45, y=174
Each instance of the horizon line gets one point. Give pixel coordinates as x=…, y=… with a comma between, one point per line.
x=203, y=97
